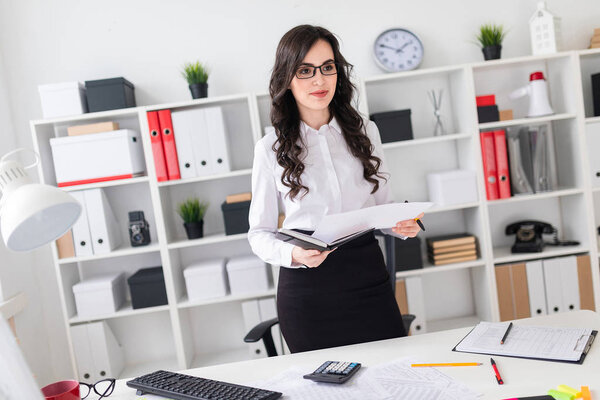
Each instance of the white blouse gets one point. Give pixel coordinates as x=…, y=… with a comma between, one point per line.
x=332, y=174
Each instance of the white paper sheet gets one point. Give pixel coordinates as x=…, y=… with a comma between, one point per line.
x=526, y=341
x=384, y=216
x=394, y=380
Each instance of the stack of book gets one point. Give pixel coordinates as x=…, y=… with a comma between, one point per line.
x=448, y=249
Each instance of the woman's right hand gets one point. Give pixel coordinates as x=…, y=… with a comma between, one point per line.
x=310, y=258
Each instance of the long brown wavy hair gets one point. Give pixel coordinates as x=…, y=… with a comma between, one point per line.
x=285, y=116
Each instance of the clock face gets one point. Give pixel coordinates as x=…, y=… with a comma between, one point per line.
x=398, y=50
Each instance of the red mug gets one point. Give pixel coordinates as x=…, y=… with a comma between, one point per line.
x=62, y=390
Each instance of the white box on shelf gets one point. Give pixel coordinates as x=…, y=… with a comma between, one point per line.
x=62, y=99
x=452, y=187
x=206, y=279
x=97, y=157
x=100, y=295
x=247, y=274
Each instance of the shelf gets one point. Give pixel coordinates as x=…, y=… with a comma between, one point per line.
x=596, y=190
x=131, y=111
x=592, y=120
x=232, y=174
x=185, y=303
x=414, y=73
x=452, y=207
x=536, y=196
x=588, y=52
x=221, y=357
x=125, y=311
x=211, y=239
x=503, y=255
x=135, y=370
x=121, y=252
x=526, y=121
x=198, y=102
x=506, y=62
x=118, y=182
x=432, y=269
x=452, y=323
x=429, y=140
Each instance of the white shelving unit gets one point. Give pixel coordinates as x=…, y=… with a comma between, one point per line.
x=201, y=333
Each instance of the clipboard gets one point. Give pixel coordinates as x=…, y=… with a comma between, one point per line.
x=584, y=342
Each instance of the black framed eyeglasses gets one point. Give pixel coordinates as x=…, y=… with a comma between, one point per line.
x=308, y=71
x=103, y=388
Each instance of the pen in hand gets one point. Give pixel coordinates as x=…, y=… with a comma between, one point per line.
x=418, y=221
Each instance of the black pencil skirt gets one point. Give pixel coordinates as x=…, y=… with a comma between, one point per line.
x=348, y=299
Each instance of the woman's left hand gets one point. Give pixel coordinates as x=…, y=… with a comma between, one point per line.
x=408, y=227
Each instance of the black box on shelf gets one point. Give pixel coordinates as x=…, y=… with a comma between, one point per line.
x=488, y=114
x=109, y=94
x=596, y=93
x=235, y=216
x=147, y=288
x=393, y=125
x=408, y=254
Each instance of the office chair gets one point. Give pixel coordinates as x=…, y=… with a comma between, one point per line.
x=263, y=329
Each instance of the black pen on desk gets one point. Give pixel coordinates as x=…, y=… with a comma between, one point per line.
x=418, y=221
x=506, y=333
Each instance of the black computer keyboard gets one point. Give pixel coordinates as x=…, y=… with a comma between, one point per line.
x=186, y=387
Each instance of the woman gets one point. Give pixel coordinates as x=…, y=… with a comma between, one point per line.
x=321, y=159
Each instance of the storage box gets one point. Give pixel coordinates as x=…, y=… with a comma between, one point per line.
x=408, y=254
x=235, y=216
x=101, y=295
x=247, y=274
x=147, y=288
x=596, y=94
x=393, y=125
x=452, y=187
x=62, y=99
x=99, y=127
x=97, y=351
x=488, y=114
x=109, y=94
x=206, y=279
x=97, y=157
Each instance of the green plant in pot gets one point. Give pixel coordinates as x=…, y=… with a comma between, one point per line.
x=490, y=39
x=192, y=212
x=196, y=75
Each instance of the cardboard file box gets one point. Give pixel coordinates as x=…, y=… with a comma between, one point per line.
x=62, y=99
x=97, y=351
x=247, y=274
x=235, y=216
x=97, y=157
x=206, y=279
x=99, y=296
x=452, y=187
x=109, y=94
x=393, y=125
x=147, y=288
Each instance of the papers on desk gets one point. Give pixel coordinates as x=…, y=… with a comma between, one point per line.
x=394, y=380
x=384, y=216
x=537, y=342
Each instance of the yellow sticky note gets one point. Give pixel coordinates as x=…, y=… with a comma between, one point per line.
x=585, y=393
x=568, y=389
x=560, y=395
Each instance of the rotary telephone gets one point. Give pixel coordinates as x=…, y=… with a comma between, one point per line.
x=529, y=236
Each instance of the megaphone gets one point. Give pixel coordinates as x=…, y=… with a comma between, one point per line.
x=537, y=90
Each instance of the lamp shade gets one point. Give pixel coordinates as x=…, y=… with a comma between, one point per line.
x=32, y=214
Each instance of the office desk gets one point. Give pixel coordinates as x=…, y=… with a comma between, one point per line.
x=521, y=377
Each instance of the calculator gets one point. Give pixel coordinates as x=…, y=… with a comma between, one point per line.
x=334, y=372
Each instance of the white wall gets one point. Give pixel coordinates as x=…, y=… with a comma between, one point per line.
x=147, y=41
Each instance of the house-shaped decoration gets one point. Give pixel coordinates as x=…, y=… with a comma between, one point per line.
x=545, y=31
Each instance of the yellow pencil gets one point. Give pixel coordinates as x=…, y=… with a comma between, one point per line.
x=468, y=364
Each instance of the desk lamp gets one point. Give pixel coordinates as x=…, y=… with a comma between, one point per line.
x=32, y=214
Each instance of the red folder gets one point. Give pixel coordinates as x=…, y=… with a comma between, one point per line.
x=168, y=138
x=489, y=165
x=157, y=146
x=502, y=164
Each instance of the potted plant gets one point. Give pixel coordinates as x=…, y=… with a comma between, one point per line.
x=490, y=39
x=196, y=75
x=192, y=212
